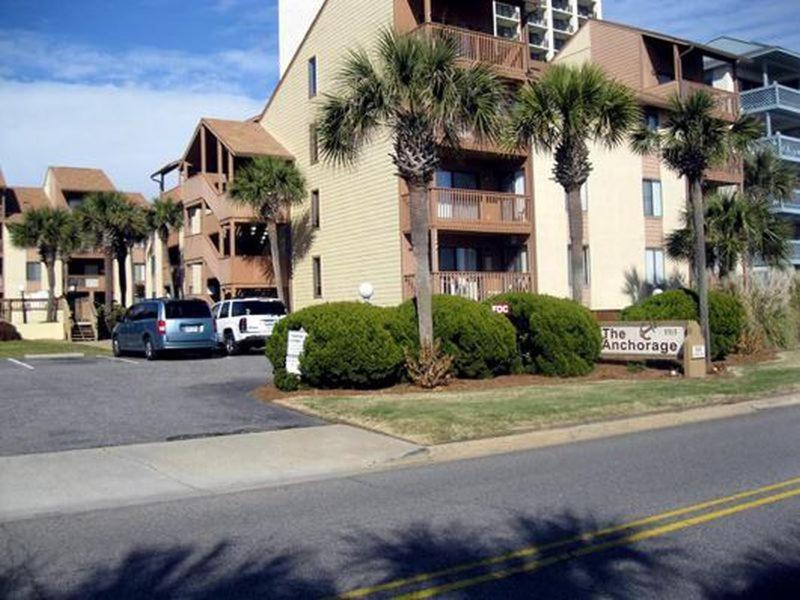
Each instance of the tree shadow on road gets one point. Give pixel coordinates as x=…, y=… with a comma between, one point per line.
x=772, y=572
x=564, y=566
x=363, y=558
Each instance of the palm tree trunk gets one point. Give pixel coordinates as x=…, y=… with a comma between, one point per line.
x=275, y=251
x=108, y=267
x=701, y=272
x=166, y=263
x=420, y=243
x=122, y=260
x=575, y=215
x=50, y=265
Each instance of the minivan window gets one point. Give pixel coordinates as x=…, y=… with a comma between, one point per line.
x=187, y=309
x=149, y=312
x=258, y=307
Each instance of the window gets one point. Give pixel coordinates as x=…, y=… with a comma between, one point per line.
x=225, y=312
x=651, y=120
x=187, y=309
x=651, y=194
x=587, y=266
x=654, y=265
x=138, y=272
x=312, y=76
x=313, y=143
x=315, y=209
x=258, y=308
x=316, y=273
x=33, y=271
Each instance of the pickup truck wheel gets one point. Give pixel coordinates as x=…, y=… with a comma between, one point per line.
x=231, y=347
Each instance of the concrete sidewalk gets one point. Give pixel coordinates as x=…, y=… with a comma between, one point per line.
x=80, y=480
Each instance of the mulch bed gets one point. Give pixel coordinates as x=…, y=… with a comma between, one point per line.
x=603, y=371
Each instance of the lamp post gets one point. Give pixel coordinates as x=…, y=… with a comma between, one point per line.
x=24, y=310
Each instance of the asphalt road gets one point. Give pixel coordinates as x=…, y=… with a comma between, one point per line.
x=329, y=537
x=93, y=402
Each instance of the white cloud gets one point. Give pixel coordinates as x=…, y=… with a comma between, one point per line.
x=26, y=55
x=129, y=131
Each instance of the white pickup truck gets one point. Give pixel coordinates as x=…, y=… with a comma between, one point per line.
x=246, y=323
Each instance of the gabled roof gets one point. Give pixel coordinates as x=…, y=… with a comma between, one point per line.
x=23, y=199
x=76, y=179
x=246, y=138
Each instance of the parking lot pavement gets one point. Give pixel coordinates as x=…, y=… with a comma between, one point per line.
x=53, y=405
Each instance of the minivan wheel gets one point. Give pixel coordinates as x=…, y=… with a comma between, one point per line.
x=231, y=347
x=149, y=350
x=115, y=346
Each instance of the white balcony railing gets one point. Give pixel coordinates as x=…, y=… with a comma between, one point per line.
x=788, y=148
x=795, y=254
x=475, y=285
x=770, y=97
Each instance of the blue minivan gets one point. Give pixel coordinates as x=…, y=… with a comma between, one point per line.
x=158, y=325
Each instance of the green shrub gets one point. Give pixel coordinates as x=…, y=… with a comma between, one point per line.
x=726, y=315
x=107, y=319
x=288, y=382
x=481, y=343
x=554, y=336
x=8, y=333
x=565, y=337
x=349, y=345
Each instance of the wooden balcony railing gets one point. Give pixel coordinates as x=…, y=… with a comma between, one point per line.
x=727, y=103
x=508, y=57
x=473, y=210
x=476, y=285
x=730, y=172
x=86, y=282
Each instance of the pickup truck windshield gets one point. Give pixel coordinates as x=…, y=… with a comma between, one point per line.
x=258, y=307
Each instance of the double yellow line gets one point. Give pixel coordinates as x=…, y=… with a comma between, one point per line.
x=596, y=541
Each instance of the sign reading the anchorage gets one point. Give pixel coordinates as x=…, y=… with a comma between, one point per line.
x=648, y=340
x=294, y=348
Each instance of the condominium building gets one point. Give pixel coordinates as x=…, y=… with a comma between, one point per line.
x=498, y=221
x=769, y=78
x=81, y=281
x=545, y=25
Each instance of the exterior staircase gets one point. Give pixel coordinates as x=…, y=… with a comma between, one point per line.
x=82, y=332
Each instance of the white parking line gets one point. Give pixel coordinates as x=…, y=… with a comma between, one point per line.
x=20, y=363
x=117, y=359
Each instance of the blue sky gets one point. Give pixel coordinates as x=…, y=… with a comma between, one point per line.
x=121, y=84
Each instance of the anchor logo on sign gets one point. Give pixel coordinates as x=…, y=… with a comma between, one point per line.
x=644, y=332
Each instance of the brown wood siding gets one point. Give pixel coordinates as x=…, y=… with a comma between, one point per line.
x=618, y=52
x=651, y=167
x=653, y=232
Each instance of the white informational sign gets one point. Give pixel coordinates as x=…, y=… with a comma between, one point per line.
x=699, y=351
x=654, y=341
x=294, y=348
x=501, y=309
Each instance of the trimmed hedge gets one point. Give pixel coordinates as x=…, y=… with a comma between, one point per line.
x=555, y=336
x=8, y=333
x=349, y=345
x=481, y=343
x=727, y=316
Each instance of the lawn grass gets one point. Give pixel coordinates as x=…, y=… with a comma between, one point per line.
x=435, y=418
x=21, y=348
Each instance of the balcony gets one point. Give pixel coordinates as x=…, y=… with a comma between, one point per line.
x=794, y=256
x=788, y=148
x=473, y=210
x=730, y=172
x=509, y=58
x=773, y=97
x=727, y=103
x=475, y=285
x=228, y=270
x=83, y=283
x=789, y=206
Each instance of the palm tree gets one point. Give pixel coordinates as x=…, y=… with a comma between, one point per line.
x=132, y=226
x=766, y=175
x=414, y=90
x=166, y=216
x=51, y=231
x=694, y=140
x=96, y=217
x=568, y=108
x=269, y=185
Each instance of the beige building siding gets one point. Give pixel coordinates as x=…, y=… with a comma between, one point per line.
x=551, y=228
x=673, y=198
x=359, y=237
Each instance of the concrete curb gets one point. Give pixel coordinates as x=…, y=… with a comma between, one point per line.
x=594, y=431
x=54, y=356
